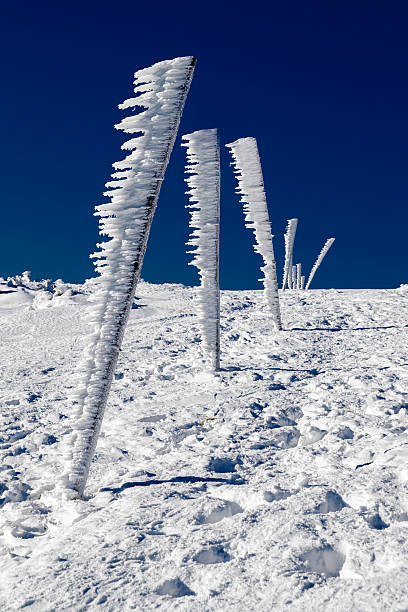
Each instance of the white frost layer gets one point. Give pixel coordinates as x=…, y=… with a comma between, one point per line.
x=204, y=181
x=161, y=90
x=289, y=241
x=319, y=260
x=247, y=166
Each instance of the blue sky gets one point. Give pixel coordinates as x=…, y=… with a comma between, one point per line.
x=321, y=85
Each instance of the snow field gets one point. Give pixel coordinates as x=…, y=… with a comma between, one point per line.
x=280, y=484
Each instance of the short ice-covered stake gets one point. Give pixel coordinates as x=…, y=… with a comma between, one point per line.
x=248, y=170
x=289, y=241
x=203, y=166
x=126, y=219
x=319, y=260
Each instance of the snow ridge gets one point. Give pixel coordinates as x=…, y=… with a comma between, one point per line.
x=126, y=219
x=289, y=241
x=203, y=166
x=319, y=260
x=248, y=171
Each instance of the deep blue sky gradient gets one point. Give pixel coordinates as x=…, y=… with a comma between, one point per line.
x=321, y=85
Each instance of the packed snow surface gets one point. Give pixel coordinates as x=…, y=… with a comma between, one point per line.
x=280, y=484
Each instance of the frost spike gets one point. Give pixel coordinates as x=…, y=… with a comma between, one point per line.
x=319, y=260
x=203, y=166
x=289, y=241
x=126, y=219
x=302, y=282
x=248, y=171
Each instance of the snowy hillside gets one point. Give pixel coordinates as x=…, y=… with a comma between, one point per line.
x=281, y=484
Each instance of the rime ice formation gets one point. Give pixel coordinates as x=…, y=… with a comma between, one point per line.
x=126, y=219
x=319, y=260
x=289, y=241
x=203, y=166
x=248, y=171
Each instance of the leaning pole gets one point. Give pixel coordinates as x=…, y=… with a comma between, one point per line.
x=319, y=260
x=161, y=91
x=248, y=172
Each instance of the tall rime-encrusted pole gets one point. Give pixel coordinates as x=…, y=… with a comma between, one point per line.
x=298, y=275
x=161, y=91
x=289, y=241
x=248, y=170
x=319, y=260
x=203, y=166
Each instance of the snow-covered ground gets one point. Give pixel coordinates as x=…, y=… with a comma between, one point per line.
x=279, y=485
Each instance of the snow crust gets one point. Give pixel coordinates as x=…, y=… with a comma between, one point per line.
x=247, y=166
x=319, y=260
x=161, y=90
x=281, y=484
x=203, y=166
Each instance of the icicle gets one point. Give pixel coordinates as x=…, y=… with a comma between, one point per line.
x=247, y=167
x=161, y=90
x=289, y=241
x=302, y=282
x=319, y=260
x=203, y=165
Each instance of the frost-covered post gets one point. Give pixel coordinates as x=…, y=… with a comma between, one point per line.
x=298, y=275
x=293, y=278
x=248, y=170
x=319, y=260
x=203, y=166
x=289, y=241
x=161, y=91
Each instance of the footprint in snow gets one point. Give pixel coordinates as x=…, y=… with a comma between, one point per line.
x=222, y=465
x=276, y=494
x=214, y=554
x=333, y=502
x=375, y=521
x=324, y=560
x=216, y=511
x=174, y=587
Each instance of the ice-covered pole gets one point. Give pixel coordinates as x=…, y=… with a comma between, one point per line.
x=319, y=260
x=289, y=241
x=126, y=219
x=203, y=168
x=293, y=278
x=298, y=275
x=248, y=170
